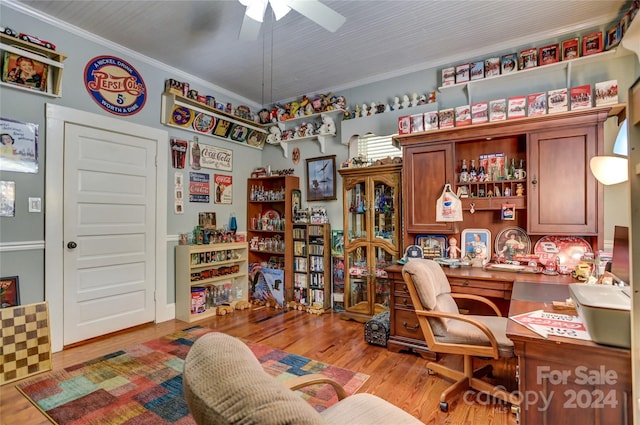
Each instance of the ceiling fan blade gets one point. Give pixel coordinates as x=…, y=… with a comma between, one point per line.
x=318, y=13
x=250, y=29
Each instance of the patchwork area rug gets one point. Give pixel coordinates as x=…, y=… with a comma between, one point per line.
x=143, y=383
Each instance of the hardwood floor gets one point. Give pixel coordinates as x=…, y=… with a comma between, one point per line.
x=400, y=378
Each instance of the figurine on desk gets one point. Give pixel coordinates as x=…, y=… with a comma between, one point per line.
x=453, y=249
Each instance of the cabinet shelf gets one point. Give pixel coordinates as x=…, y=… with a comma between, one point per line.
x=53, y=58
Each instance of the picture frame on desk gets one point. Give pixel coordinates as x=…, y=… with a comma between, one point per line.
x=25, y=72
x=321, y=178
x=476, y=244
x=433, y=246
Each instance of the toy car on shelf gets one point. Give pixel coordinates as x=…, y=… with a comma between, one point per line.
x=8, y=31
x=36, y=40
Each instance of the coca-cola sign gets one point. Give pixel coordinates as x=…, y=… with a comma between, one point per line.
x=216, y=158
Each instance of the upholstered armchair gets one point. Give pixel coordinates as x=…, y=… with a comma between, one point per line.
x=447, y=331
x=225, y=384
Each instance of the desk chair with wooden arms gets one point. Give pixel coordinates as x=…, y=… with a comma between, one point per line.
x=447, y=331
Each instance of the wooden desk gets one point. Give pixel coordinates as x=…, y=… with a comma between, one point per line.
x=405, y=333
x=564, y=380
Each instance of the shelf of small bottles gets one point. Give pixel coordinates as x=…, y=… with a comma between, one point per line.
x=483, y=194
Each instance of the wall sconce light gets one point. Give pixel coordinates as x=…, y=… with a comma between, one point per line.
x=610, y=170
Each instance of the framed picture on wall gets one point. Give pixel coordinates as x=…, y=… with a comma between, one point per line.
x=24, y=72
x=321, y=178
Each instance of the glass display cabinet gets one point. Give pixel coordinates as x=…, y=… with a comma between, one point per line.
x=371, y=197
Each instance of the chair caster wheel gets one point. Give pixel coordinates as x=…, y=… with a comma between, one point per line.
x=444, y=406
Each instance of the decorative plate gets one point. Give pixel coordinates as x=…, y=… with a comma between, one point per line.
x=204, y=123
x=570, y=249
x=181, y=116
x=511, y=242
x=271, y=215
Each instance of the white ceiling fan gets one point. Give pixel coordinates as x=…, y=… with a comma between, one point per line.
x=312, y=9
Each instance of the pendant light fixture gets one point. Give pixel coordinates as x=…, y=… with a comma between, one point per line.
x=610, y=170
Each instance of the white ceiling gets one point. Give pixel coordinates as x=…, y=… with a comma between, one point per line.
x=295, y=56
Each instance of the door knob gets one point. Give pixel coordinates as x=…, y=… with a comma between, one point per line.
x=72, y=245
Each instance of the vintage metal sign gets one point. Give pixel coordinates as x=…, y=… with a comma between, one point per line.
x=216, y=158
x=115, y=85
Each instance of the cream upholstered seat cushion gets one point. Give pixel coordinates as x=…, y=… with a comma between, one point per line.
x=434, y=291
x=459, y=332
x=225, y=384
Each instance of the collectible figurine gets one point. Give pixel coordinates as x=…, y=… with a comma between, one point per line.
x=414, y=99
x=364, y=110
x=328, y=126
x=405, y=102
x=372, y=108
x=519, y=189
x=453, y=249
x=396, y=104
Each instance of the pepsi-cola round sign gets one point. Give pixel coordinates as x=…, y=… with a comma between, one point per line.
x=115, y=85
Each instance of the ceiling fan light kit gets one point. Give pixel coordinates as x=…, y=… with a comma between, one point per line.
x=311, y=9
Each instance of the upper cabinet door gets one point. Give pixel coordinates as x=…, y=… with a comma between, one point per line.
x=563, y=194
x=427, y=168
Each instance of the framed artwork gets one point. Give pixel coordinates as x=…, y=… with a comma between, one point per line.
x=223, y=186
x=592, y=43
x=9, y=292
x=433, y=246
x=24, y=72
x=19, y=146
x=549, y=54
x=207, y=220
x=570, y=49
x=7, y=199
x=321, y=178
x=476, y=244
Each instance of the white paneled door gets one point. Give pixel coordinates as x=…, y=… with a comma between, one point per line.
x=109, y=231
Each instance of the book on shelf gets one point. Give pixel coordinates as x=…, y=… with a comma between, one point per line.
x=462, y=73
x=548, y=324
x=580, y=97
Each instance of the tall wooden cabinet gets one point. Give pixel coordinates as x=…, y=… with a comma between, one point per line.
x=270, y=225
x=560, y=195
x=372, y=232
